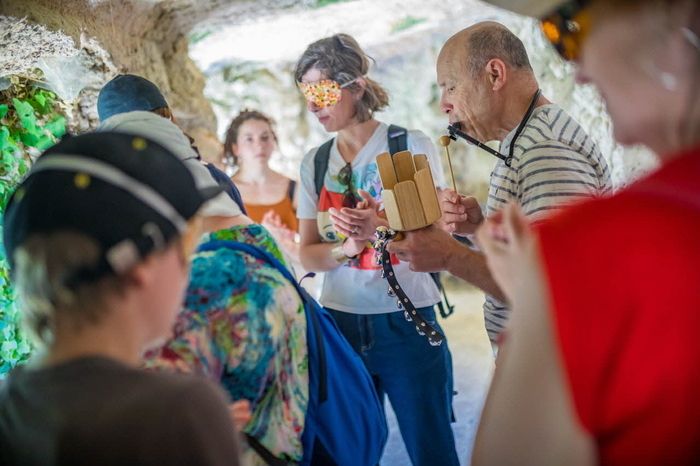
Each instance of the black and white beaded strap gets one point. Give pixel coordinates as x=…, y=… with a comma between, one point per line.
x=384, y=236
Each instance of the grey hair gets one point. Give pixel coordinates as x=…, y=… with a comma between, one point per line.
x=495, y=41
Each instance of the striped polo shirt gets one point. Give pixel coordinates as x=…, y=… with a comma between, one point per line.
x=554, y=163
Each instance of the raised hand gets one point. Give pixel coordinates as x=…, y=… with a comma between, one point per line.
x=461, y=215
x=271, y=220
x=510, y=247
x=240, y=413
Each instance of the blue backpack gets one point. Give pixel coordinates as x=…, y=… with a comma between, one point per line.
x=344, y=413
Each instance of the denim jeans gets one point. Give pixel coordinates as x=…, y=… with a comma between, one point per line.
x=416, y=377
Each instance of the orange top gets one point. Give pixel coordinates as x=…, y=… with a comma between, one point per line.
x=283, y=208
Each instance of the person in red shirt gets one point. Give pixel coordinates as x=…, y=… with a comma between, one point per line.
x=599, y=365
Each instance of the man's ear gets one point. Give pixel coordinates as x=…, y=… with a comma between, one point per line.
x=142, y=274
x=496, y=71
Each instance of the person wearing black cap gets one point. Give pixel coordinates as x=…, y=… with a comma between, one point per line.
x=98, y=243
x=127, y=93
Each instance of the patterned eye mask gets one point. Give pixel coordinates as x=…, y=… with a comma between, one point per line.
x=324, y=93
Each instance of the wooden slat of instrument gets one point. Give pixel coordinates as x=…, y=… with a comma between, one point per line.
x=386, y=170
x=410, y=208
x=428, y=196
x=391, y=208
x=403, y=165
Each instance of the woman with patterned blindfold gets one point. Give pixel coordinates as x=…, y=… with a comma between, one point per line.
x=324, y=93
x=600, y=362
x=338, y=212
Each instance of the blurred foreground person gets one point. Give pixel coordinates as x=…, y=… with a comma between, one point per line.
x=99, y=242
x=599, y=366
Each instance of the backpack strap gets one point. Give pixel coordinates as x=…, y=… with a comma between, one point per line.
x=321, y=164
x=265, y=256
x=251, y=250
x=445, y=309
x=291, y=189
x=397, y=137
x=264, y=453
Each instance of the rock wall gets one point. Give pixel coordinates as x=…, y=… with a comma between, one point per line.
x=140, y=37
x=53, y=60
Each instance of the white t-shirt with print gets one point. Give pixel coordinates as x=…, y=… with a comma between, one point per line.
x=357, y=286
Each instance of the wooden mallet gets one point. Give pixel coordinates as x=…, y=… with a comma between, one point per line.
x=445, y=142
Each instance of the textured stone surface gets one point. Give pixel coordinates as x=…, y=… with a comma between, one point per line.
x=36, y=42
x=74, y=70
x=142, y=37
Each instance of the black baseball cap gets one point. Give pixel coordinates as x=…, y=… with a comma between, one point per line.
x=109, y=187
x=127, y=93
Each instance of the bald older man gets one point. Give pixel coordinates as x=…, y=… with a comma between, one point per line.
x=490, y=92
